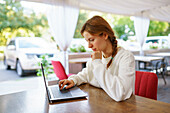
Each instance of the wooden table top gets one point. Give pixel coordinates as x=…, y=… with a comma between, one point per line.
x=163, y=54
x=79, y=60
x=147, y=58
x=138, y=58
x=35, y=101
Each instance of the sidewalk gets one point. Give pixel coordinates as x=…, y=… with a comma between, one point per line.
x=10, y=82
x=25, y=84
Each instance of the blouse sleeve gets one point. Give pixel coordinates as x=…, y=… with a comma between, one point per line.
x=118, y=87
x=81, y=77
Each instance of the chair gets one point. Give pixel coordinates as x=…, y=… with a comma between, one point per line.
x=146, y=84
x=160, y=66
x=59, y=70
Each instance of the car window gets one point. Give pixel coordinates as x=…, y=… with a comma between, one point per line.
x=25, y=44
x=152, y=41
x=12, y=42
x=33, y=43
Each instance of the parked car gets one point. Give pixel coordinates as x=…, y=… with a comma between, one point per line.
x=156, y=42
x=131, y=46
x=23, y=53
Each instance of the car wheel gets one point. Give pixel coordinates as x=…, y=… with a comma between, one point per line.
x=6, y=65
x=19, y=69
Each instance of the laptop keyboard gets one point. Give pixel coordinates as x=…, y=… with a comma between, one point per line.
x=60, y=93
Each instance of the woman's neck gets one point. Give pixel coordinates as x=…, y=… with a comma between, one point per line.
x=108, y=51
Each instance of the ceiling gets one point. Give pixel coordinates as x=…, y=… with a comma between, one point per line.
x=152, y=9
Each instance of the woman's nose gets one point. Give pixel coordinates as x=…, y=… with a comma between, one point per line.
x=90, y=45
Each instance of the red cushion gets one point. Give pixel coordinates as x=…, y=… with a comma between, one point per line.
x=146, y=84
x=59, y=70
x=69, y=74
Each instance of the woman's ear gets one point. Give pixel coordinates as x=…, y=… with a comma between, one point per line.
x=105, y=35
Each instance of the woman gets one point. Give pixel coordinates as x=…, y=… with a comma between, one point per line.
x=112, y=68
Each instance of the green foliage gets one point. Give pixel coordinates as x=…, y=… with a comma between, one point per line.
x=119, y=30
x=48, y=68
x=15, y=23
x=83, y=15
x=157, y=28
x=167, y=32
x=153, y=47
x=77, y=48
x=81, y=48
x=123, y=27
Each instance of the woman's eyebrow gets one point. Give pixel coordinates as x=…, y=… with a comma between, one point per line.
x=91, y=37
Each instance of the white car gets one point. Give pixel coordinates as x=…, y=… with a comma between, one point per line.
x=23, y=53
x=156, y=42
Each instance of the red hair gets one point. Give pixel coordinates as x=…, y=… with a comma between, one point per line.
x=97, y=26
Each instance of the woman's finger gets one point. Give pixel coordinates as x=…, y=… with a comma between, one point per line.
x=69, y=86
x=61, y=82
x=64, y=83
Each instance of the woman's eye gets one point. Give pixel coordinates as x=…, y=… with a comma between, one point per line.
x=91, y=40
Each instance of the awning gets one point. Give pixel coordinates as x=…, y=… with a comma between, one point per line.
x=152, y=9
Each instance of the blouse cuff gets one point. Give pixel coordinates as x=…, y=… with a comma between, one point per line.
x=74, y=80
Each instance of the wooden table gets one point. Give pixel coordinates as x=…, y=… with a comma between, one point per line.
x=35, y=101
x=80, y=61
x=148, y=59
x=145, y=59
x=137, y=58
x=163, y=54
x=166, y=56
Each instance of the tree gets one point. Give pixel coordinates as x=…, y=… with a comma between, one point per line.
x=167, y=32
x=123, y=27
x=157, y=28
x=14, y=22
x=119, y=30
x=83, y=15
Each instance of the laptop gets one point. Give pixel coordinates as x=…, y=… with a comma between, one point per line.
x=55, y=94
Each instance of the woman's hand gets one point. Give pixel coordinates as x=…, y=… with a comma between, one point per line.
x=96, y=55
x=69, y=83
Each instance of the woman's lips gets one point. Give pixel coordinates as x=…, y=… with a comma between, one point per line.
x=94, y=49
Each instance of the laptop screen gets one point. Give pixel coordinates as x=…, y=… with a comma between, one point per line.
x=45, y=82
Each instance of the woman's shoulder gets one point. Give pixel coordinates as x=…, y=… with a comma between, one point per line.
x=124, y=52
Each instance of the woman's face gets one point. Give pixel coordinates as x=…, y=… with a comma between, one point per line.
x=95, y=42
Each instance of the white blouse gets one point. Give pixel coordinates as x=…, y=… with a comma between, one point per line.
x=117, y=81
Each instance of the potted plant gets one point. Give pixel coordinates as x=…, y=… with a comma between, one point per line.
x=77, y=48
x=48, y=68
